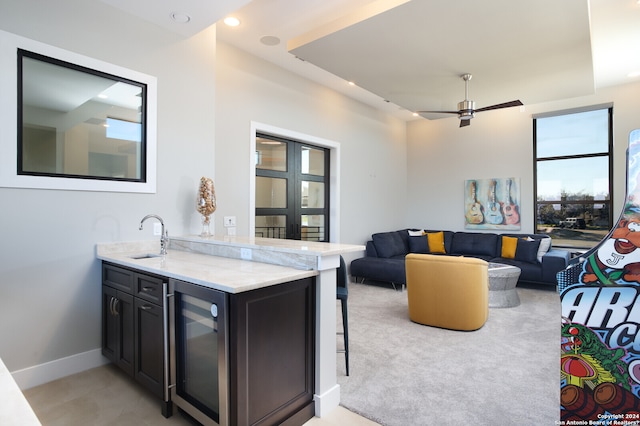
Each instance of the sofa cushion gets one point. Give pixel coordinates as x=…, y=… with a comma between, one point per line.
x=527, y=250
x=418, y=244
x=389, y=244
x=531, y=272
x=436, y=242
x=509, y=245
x=468, y=243
x=448, y=238
x=390, y=270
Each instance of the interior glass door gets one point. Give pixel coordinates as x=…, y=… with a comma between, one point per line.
x=292, y=184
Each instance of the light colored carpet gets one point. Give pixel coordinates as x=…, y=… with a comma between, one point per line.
x=403, y=373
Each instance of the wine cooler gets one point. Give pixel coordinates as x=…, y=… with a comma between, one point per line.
x=197, y=321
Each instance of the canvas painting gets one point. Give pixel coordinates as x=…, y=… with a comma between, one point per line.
x=492, y=204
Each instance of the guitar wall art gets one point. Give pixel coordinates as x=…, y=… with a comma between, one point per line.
x=492, y=203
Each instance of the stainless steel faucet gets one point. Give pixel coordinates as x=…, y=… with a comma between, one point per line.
x=164, y=239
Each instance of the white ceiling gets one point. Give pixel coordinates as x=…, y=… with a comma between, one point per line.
x=407, y=55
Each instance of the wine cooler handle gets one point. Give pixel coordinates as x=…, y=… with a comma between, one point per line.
x=165, y=338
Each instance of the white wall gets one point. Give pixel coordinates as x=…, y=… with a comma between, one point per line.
x=50, y=286
x=372, y=144
x=497, y=144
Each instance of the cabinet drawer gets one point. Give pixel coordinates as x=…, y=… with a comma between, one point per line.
x=119, y=278
x=149, y=288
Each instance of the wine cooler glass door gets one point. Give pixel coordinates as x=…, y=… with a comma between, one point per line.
x=200, y=352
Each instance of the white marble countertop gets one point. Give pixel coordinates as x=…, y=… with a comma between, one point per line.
x=15, y=408
x=274, y=244
x=219, y=262
x=220, y=273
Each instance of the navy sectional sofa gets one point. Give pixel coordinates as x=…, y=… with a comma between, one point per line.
x=385, y=252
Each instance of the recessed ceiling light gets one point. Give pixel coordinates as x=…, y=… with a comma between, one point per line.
x=231, y=21
x=179, y=17
x=351, y=83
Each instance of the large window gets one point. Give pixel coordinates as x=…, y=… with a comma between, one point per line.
x=573, y=154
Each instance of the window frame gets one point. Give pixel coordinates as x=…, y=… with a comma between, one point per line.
x=609, y=154
x=9, y=174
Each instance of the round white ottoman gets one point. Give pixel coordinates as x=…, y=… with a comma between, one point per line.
x=502, y=285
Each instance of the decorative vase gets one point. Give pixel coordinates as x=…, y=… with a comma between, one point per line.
x=205, y=227
x=206, y=204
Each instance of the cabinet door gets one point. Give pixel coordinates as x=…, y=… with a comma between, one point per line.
x=110, y=325
x=149, y=345
x=124, y=310
x=117, y=328
x=272, y=354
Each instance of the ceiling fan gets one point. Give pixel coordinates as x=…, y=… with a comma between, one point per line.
x=466, y=109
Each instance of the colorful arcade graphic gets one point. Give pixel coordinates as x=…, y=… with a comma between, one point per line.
x=600, y=334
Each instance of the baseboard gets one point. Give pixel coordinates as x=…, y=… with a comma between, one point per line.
x=328, y=401
x=57, y=369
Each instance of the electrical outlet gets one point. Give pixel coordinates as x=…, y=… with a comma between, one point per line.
x=157, y=229
x=245, y=253
x=229, y=221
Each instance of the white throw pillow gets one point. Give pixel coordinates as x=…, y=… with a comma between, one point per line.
x=545, y=245
x=417, y=233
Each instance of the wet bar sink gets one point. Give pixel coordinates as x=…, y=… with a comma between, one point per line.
x=144, y=256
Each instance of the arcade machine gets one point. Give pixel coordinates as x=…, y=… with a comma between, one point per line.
x=600, y=334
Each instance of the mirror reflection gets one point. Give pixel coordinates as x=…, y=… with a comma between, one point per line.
x=78, y=122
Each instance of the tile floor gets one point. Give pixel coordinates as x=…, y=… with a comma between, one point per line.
x=106, y=396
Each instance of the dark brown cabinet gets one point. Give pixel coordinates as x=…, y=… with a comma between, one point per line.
x=270, y=339
x=272, y=335
x=132, y=325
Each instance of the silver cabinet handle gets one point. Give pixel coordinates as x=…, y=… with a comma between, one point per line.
x=116, y=302
x=146, y=307
x=111, y=302
x=165, y=338
x=148, y=289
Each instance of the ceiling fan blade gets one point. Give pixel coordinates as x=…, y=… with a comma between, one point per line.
x=498, y=106
x=437, y=112
x=464, y=123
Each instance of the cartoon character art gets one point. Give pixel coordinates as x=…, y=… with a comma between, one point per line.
x=587, y=357
x=617, y=259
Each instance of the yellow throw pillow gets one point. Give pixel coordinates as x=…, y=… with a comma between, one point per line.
x=509, y=245
x=436, y=242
